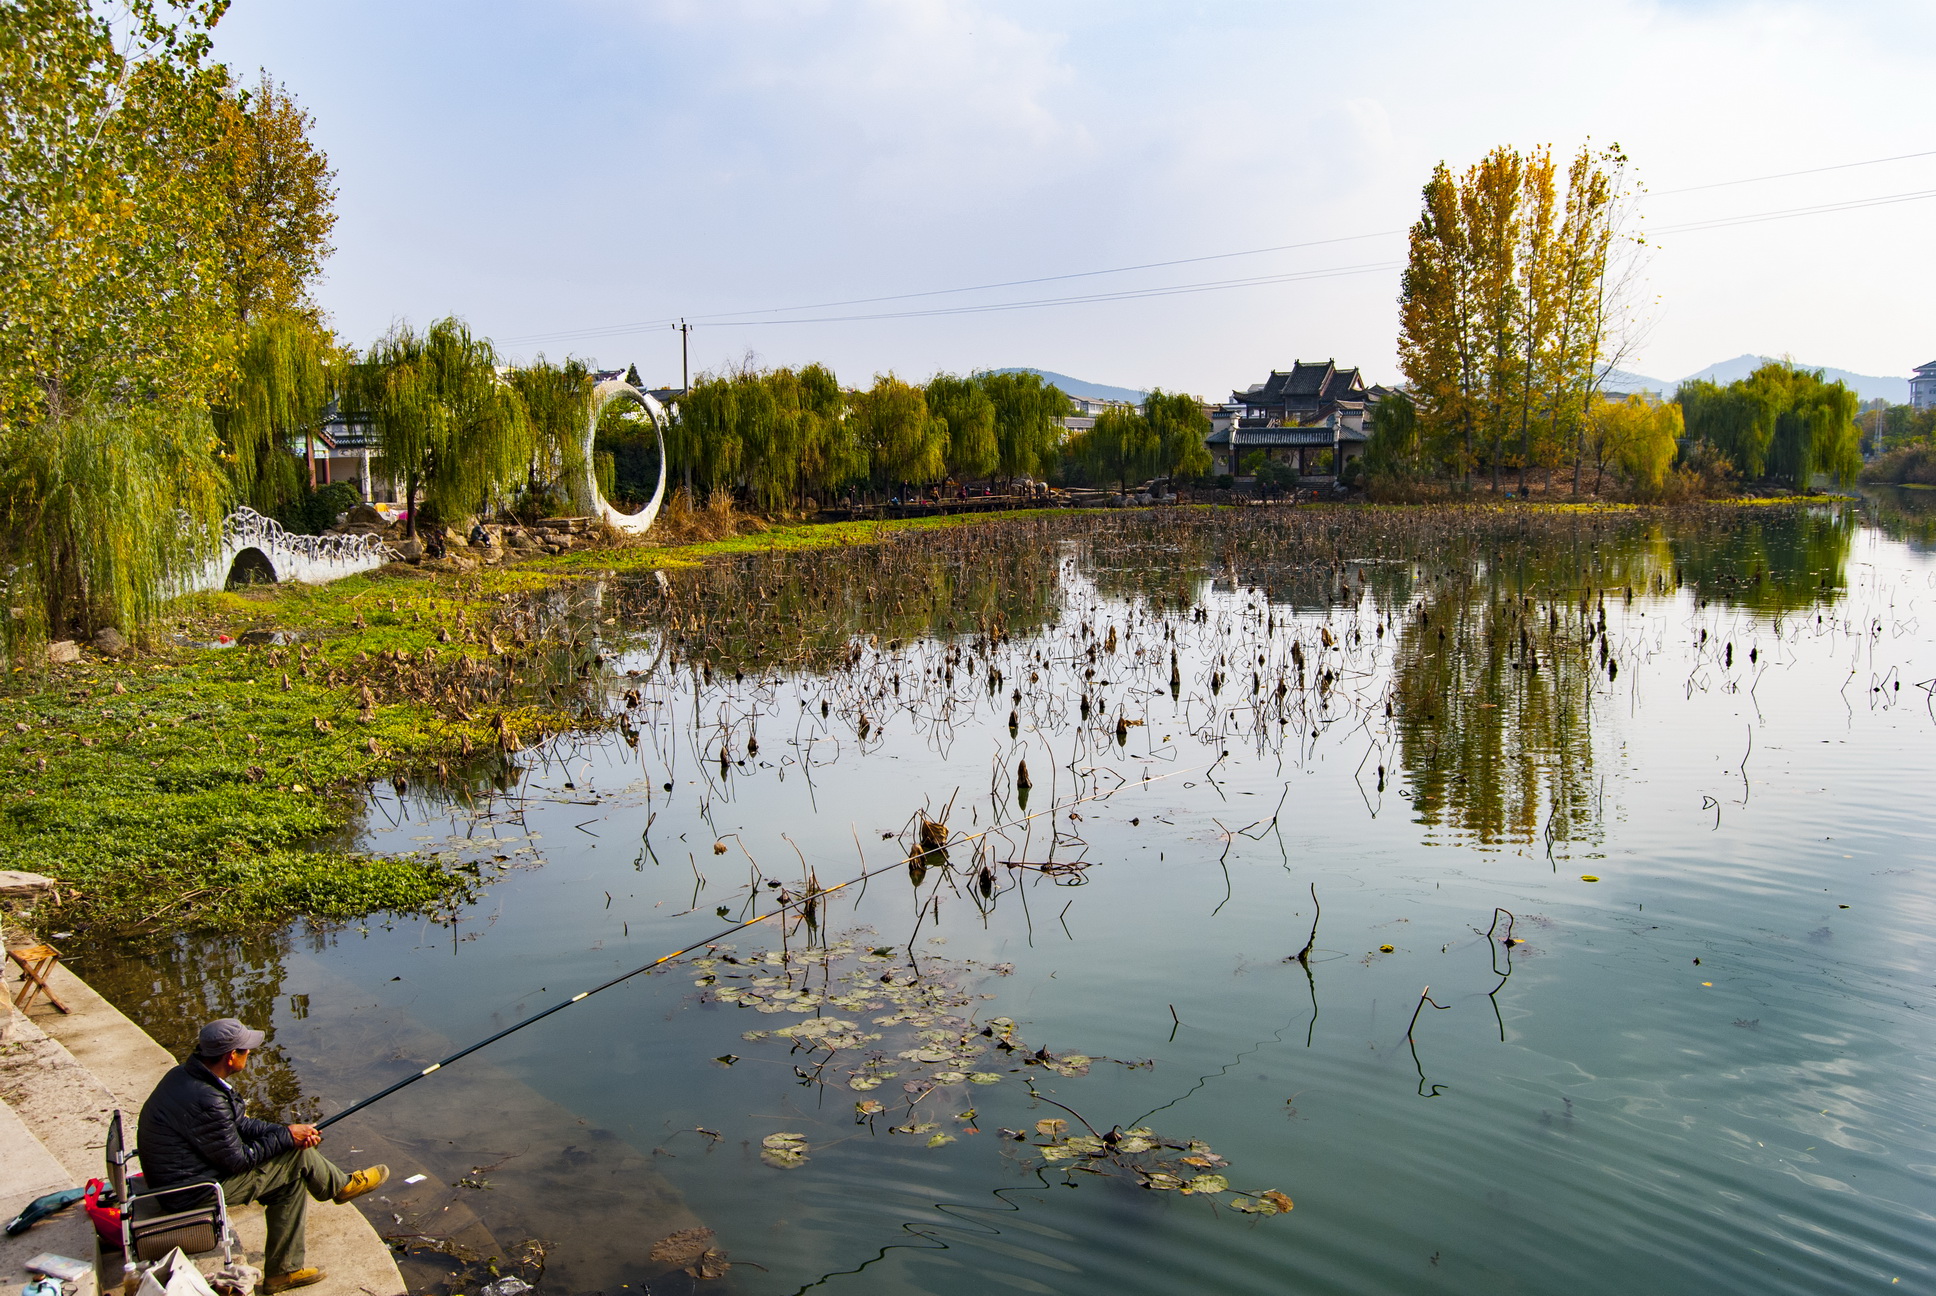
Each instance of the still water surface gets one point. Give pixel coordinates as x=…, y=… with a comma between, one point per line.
x=1706, y=1071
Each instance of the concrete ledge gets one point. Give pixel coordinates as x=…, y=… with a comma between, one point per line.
x=73, y=1069
x=28, y=1170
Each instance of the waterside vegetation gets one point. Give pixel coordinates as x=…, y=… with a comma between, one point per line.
x=192, y=785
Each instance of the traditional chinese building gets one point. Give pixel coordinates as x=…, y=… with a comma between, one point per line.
x=1297, y=415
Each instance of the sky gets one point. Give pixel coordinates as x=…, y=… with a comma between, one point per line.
x=571, y=176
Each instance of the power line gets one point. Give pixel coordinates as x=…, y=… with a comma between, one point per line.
x=1756, y=218
x=1128, y=294
x=740, y=319
x=615, y=329
x=1784, y=175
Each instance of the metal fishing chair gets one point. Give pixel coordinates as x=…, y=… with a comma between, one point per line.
x=194, y=1217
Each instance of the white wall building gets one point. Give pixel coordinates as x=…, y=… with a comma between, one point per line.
x=1922, y=387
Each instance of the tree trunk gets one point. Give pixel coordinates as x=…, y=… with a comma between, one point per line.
x=410, y=506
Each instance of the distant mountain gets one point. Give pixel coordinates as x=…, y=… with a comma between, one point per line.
x=1619, y=380
x=1867, y=386
x=1077, y=387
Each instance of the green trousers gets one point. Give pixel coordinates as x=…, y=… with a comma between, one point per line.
x=284, y=1185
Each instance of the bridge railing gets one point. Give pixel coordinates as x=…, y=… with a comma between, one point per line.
x=246, y=528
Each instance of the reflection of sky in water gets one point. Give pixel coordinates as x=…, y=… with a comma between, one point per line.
x=1756, y=1120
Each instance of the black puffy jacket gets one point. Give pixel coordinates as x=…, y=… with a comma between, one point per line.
x=192, y=1128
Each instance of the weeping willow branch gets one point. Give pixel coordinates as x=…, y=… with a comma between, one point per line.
x=103, y=513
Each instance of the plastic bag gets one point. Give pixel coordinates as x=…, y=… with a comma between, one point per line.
x=506, y=1287
x=174, y=1275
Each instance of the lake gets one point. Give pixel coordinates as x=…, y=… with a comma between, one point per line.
x=1538, y=901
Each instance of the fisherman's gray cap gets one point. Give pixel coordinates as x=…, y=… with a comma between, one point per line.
x=220, y=1038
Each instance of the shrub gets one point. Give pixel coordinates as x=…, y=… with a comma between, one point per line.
x=1912, y=464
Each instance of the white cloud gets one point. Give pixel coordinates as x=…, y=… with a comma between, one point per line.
x=612, y=160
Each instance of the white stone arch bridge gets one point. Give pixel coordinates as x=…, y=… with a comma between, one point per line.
x=255, y=550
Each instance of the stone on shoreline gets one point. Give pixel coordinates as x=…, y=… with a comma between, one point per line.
x=15, y=885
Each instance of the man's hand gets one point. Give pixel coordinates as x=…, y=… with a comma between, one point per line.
x=306, y=1136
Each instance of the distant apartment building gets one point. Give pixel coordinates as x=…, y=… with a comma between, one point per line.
x=1922, y=387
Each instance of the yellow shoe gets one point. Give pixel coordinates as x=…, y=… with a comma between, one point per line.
x=300, y=1278
x=361, y=1182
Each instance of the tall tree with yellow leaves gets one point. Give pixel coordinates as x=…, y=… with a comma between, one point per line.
x=277, y=193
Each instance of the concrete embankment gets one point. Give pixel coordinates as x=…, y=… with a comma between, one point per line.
x=62, y=1076
x=503, y=1173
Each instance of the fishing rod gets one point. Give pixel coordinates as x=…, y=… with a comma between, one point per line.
x=785, y=906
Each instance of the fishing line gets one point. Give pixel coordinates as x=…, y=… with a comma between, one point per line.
x=784, y=907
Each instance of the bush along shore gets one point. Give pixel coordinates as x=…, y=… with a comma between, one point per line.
x=214, y=778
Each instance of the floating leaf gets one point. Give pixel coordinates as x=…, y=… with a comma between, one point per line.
x=1276, y=1199
x=869, y=1107
x=864, y=1083
x=1588, y=877
x=983, y=1078
x=783, y=1151
x=1207, y=1183
x=940, y=1139
x=1051, y=1127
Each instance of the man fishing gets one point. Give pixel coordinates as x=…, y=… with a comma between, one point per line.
x=192, y=1130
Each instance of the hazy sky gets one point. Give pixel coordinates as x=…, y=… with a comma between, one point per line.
x=541, y=169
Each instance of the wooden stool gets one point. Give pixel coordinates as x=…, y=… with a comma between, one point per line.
x=37, y=963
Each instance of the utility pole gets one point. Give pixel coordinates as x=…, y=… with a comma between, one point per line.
x=685, y=356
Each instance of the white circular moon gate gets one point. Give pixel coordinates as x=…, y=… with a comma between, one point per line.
x=587, y=490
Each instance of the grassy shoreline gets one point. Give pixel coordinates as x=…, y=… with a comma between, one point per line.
x=190, y=787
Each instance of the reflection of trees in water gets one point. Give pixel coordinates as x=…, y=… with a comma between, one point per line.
x=174, y=986
x=801, y=610
x=1492, y=698
x=1497, y=662
x=1905, y=513
x=1768, y=561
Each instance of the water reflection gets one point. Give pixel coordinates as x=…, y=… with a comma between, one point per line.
x=1902, y=512
x=1484, y=663
x=1492, y=695
x=1768, y=562
x=173, y=986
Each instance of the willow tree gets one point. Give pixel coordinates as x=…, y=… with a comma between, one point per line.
x=710, y=429
x=114, y=325
x=1119, y=447
x=445, y=422
x=830, y=454
x=1638, y=436
x=1393, y=450
x=557, y=405
x=1815, y=430
x=905, y=441
x=1178, y=428
x=969, y=411
x=1028, y=421
x=1780, y=422
x=285, y=371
